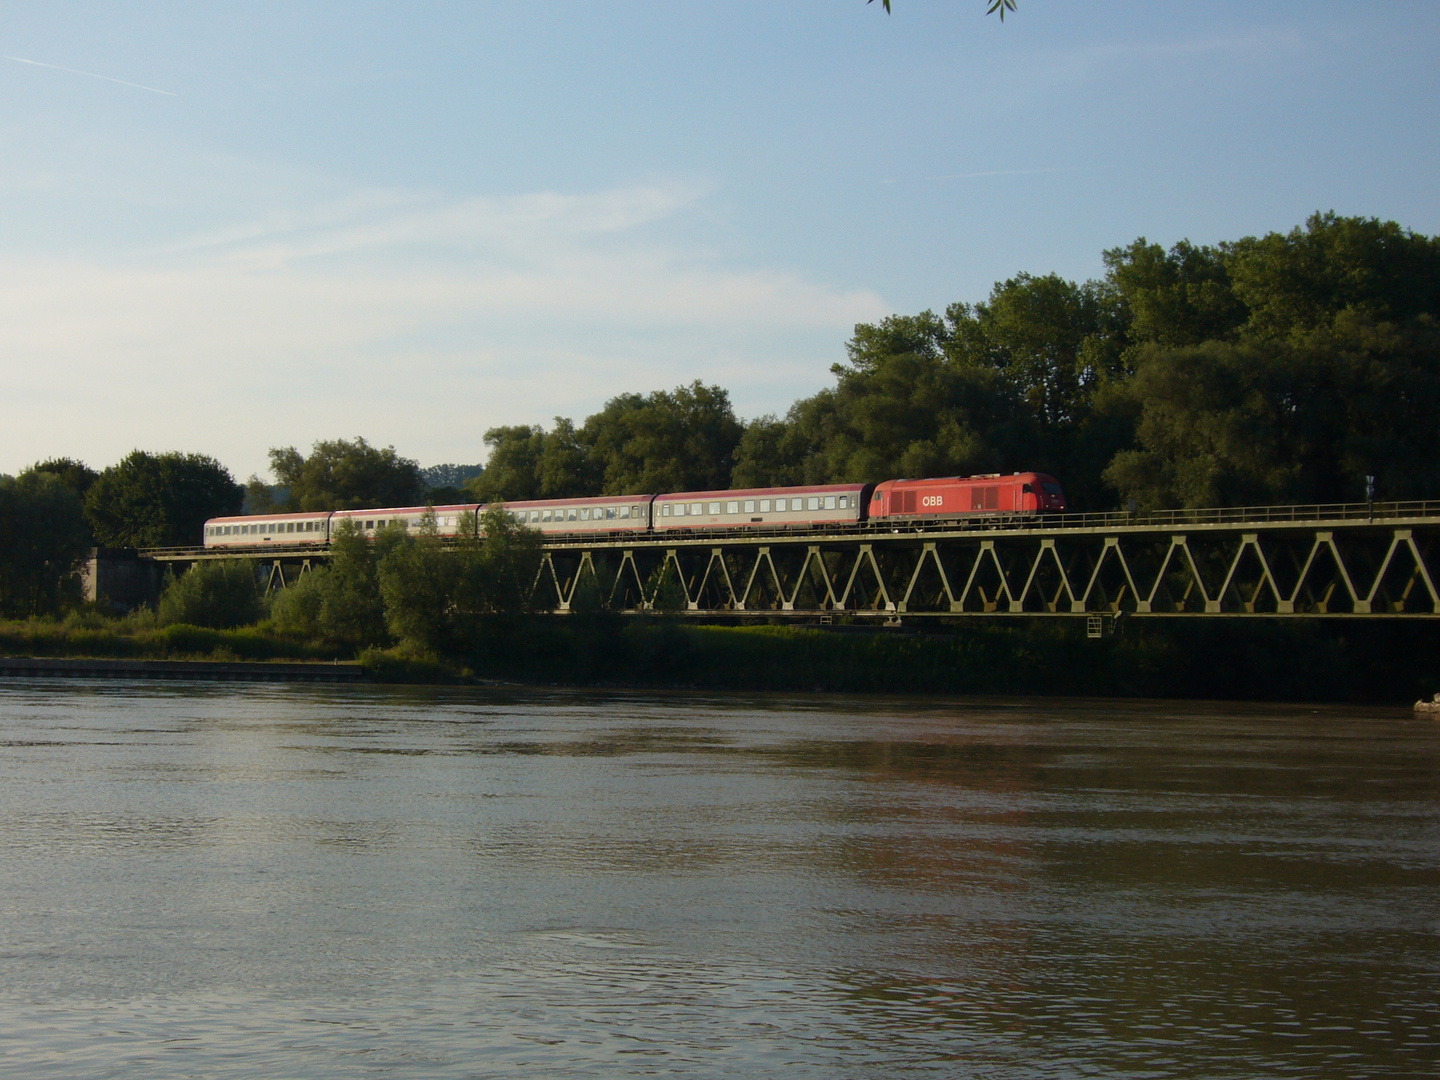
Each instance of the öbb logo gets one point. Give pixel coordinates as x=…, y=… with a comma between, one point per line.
x=932, y=500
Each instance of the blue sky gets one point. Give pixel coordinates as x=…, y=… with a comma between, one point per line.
x=296, y=221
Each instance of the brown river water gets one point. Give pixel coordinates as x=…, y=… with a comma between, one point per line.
x=285, y=881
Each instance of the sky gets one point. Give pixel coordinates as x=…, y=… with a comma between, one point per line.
x=232, y=227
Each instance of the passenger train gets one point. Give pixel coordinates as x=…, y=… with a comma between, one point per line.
x=889, y=503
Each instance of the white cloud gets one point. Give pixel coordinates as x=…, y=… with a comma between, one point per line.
x=402, y=316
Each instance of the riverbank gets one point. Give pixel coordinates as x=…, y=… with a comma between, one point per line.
x=1269, y=660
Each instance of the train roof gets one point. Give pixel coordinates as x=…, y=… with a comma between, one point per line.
x=730, y=493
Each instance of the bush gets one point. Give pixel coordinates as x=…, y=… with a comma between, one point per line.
x=217, y=595
x=298, y=610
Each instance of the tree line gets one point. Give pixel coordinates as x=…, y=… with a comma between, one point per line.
x=1282, y=368
x=1273, y=369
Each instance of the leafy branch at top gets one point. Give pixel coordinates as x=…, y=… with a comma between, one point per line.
x=996, y=6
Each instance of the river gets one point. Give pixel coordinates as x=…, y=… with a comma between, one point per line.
x=287, y=881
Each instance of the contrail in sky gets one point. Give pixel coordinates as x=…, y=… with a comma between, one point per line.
x=997, y=172
x=91, y=75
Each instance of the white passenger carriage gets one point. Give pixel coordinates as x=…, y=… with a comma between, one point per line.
x=318, y=528
x=449, y=520
x=277, y=529
x=757, y=508
x=601, y=514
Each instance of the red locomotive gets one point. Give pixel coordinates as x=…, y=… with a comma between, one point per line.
x=954, y=496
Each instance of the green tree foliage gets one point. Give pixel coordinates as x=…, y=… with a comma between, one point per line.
x=668, y=440
x=529, y=462
x=1305, y=421
x=352, y=609
x=74, y=474
x=44, y=540
x=1303, y=280
x=1174, y=298
x=220, y=595
x=679, y=440
x=418, y=579
x=913, y=401
x=345, y=474
x=453, y=599
x=158, y=500
x=297, y=610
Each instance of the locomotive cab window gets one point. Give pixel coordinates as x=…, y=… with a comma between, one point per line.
x=1051, y=488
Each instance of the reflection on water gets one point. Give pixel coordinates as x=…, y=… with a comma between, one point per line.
x=341, y=882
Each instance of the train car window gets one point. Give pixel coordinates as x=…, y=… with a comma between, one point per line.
x=814, y=502
x=714, y=508
x=624, y=511
x=844, y=502
x=369, y=524
x=764, y=506
x=749, y=506
x=636, y=511
x=664, y=509
x=696, y=509
x=732, y=507
x=570, y=514
x=780, y=505
x=584, y=513
x=829, y=502
x=545, y=515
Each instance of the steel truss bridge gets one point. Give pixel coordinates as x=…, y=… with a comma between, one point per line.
x=1329, y=561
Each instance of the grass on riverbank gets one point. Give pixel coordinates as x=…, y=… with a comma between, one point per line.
x=1263, y=660
x=137, y=637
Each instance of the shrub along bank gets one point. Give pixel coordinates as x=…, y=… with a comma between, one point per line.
x=1270, y=660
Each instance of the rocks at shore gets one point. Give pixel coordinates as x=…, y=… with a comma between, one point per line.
x=1430, y=707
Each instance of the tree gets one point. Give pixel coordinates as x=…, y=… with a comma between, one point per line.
x=345, y=474
x=1304, y=421
x=513, y=469
x=352, y=608
x=417, y=582
x=901, y=407
x=1303, y=280
x=458, y=599
x=1175, y=298
x=219, y=594
x=74, y=474
x=680, y=440
x=159, y=500
x=43, y=543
